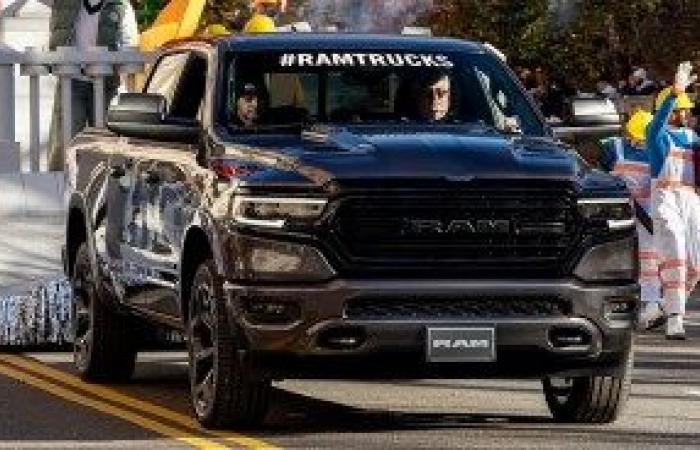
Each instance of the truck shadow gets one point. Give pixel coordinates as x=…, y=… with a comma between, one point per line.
x=296, y=414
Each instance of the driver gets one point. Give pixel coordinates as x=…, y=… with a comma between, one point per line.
x=247, y=109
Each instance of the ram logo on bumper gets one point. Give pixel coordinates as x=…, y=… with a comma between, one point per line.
x=460, y=343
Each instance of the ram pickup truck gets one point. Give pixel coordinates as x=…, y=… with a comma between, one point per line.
x=348, y=206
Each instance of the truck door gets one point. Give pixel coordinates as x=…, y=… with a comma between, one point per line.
x=160, y=190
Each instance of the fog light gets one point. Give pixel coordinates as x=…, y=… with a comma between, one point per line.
x=621, y=306
x=563, y=337
x=612, y=261
x=271, y=311
x=267, y=260
x=342, y=338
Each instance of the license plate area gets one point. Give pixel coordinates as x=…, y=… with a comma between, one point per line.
x=461, y=344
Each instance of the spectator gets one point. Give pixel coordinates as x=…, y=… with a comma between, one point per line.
x=640, y=84
x=607, y=90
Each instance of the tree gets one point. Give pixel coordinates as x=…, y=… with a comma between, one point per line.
x=519, y=29
x=230, y=13
x=605, y=40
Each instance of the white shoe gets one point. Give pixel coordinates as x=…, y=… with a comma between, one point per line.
x=674, y=328
x=651, y=316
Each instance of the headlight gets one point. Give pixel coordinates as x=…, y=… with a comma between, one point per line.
x=275, y=212
x=611, y=213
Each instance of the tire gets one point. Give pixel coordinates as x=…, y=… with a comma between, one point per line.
x=225, y=390
x=103, y=349
x=589, y=400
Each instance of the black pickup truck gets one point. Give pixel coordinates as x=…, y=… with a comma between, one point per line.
x=348, y=206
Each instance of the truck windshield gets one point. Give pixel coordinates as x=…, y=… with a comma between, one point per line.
x=269, y=91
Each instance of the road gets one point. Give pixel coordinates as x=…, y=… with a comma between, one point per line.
x=43, y=404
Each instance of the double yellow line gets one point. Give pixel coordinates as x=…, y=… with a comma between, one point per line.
x=164, y=421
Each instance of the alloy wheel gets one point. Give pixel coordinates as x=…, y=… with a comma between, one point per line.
x=83, y=292
x=202, y=346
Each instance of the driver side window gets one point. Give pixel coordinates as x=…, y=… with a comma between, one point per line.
x=181, y=79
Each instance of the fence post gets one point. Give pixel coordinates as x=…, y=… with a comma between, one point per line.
x=66, y=70
x=34, y=71
x=136, y=64
x=9, y=148
x=98, y=69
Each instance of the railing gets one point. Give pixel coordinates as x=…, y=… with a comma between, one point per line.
x=65, y=63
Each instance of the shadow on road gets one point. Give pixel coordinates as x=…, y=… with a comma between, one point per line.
x=296, y=414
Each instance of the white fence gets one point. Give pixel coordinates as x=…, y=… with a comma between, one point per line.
x=65, y=63
x=35, y=299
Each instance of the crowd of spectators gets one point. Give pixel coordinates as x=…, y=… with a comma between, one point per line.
x=639, y=82
x=551, y=92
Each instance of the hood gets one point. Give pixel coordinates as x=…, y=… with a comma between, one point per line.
x=350, y=154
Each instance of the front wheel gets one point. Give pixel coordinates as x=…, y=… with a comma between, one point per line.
x=225, y=390
x=104, y=347
x=593, y=400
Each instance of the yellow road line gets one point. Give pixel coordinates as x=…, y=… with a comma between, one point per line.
x=131, y=402
x=141, y=421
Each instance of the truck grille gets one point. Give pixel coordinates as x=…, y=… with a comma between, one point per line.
x=455, y=308
x=475, y=229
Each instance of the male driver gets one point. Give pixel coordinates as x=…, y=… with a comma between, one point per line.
x=247, y=113
x=675, y=203
x=627, y=157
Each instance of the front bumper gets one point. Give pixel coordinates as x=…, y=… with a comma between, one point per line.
x=395, y=348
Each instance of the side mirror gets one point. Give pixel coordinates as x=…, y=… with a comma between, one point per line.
x=144, y=116
x=589, y=116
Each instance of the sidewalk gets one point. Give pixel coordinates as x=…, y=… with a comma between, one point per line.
x=32, y=218
x=34, y=296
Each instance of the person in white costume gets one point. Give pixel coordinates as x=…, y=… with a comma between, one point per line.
x=675, y=204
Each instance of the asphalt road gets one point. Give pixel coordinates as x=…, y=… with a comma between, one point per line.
x=43, y=405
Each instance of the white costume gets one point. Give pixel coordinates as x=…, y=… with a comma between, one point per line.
x=675, y=205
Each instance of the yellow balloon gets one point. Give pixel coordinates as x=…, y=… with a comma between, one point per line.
x=179, y=19
x=260, y=23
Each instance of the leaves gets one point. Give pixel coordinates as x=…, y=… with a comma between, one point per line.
x=605, y=39
x=147, y=11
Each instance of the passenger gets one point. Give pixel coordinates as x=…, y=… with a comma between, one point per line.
x=434, y=98
x=627, y=157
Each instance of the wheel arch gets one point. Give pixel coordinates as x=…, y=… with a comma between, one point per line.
x=77, y=232
x=197, y=246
